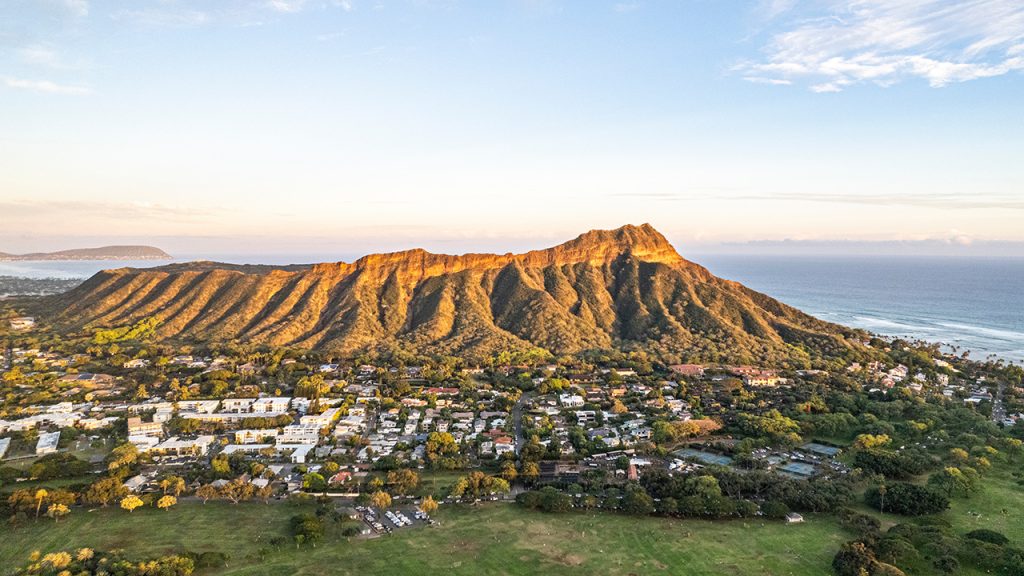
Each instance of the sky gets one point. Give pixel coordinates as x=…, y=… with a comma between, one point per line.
x=351, y=126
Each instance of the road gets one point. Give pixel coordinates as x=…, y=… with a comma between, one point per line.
x=517, y=417
x=998, y=408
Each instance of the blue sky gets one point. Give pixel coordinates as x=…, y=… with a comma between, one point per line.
x=323, y=125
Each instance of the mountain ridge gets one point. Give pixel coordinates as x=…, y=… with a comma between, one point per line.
x=624, y=288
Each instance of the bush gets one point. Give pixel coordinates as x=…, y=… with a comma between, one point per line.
x=947, y=564
x=853, y=559
x=775, y=509
x=990, y=536
x=211, y=560
x=866, y=526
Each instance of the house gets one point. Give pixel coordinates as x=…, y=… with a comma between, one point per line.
x=504, y=445
x=136, y=427
x=47, y=443
x=136, y=483
x=254, y=436
x=761, y=378
x=22, y=322
x=340, y=478
x=299, y=451
x=322, y=420
x=193, y=447
x=198, y=406
x=275, y=404
x=300, y=434
x=688, y=370
x=136, y=363
x=794, y=518
x=237, y=405
x=571, y=400
x=585, y=416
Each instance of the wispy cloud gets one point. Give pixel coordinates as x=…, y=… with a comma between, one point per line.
x=931, y=200
x=25, y=208
x=286, y=5
x=163, y=17
x=764, y=80
x=623, y=7
x=75, y=7
x=886, y=41
x=40, y=54
x=45, y=86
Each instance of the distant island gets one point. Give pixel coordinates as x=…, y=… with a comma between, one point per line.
x=102, y=253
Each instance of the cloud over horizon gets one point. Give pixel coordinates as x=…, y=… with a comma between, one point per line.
x=883, y=42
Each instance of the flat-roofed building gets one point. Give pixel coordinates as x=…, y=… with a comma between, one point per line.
x=136, y=427
x=47, y=443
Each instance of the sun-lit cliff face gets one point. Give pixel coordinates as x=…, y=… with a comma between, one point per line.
x=606, y=288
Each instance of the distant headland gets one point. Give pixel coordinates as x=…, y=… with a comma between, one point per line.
x=102, y=253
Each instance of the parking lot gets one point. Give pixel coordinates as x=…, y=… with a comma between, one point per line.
x=387, y=521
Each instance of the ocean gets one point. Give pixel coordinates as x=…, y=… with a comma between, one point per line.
x=975, y=304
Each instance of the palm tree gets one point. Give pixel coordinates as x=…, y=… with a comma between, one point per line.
x=41, y=495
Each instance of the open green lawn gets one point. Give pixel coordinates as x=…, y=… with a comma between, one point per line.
x=489, y=539
x=493, y=539
x=1000, y=506
x=1000, y=492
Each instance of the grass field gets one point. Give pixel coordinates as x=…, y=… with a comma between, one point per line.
x=1000, y=493
x=490, y=539
x=493, y=539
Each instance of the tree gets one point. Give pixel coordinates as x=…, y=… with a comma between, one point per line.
x=868, y=441
x=953, y=481
x=165, y=502
x=306, y=528
x=907, y=499
x=221, y=465
x=380, y=499
x=124, y=455
x=553, y=500
x=441, y=450
x=104, y=491
x=265, y=492
x=314, y=482
x=131, y=502
x=775, y=509
x=173, y=484
x=636, y=502
x=40, y=496
x=476, y=484
x=530, y=472
x=403, y=481
x=237, y=490
x=428, y=505
x=57, y=511
x=508, y=471
x=853, y=559
x=207, y=492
